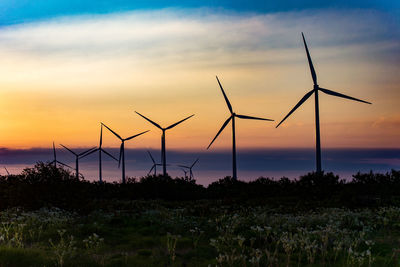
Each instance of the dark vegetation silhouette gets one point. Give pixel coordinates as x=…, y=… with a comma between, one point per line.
x=232, y=118
x=315, y=91
x=47, y=185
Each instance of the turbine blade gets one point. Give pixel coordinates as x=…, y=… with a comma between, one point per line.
x=133, y=136
x=329, y=92
x=90, y=152
x=68, y=149
x=298, y=105
x=109, y=154
x=54, y=151
x=183, y=166
x=120, y=154
x=152, y=168
x=101, y=135
x=313, y=74
x=220, y=130
x=152, y=122
x=117, y=135
x=84, y=152
x=152, y=159
x=66, y=165
x=8, y=173
x=226, y=98
x=173, y=125
x=252, y=118
x=194, y=163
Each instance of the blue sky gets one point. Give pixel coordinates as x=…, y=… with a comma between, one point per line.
x=20, y=11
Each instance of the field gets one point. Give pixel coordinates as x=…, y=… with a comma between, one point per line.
x=200, y=233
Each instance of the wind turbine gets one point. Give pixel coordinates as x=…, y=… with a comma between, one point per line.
x=232, y=117
x=154, y=164
x=8, y=173
x=100, y=149
x=77, y=157
x=315, y=92
x=163, y=155
x=189, y=168
x=122, y=149
x=185, y=172
x=55, y=161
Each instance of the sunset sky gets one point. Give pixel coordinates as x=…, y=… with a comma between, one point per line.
x=66, y=67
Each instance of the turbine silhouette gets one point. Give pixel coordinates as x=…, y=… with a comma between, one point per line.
x=315, y=92
x=77, y=157
x=55, y=161
x=154, y=164
x=232, y=117
x=8, y=173
x=100, y=149
x=185, y=172
x=122, y=149
x=189, y=168
x=163, y=153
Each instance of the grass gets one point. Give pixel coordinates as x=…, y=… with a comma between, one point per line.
x=157, y=233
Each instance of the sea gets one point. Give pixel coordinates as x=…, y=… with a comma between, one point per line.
x=212, y=164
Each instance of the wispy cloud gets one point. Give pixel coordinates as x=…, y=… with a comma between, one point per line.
x=191, y=33
x=97, y=66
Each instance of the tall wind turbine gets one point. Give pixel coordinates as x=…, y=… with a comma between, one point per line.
x=189, y=168
x=232, y=117
x=163, y=155
x=154, y=164
x=122, y=149
x=55, y=161
x=77, y=157
x=315, y=92
x=100, y=149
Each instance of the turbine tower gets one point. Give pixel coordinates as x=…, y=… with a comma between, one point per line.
x=189, y=168
x=315, y=92
x=55, y=161
x=77, y=157
x=100, y=149
x=232, y=117
x=154, y=164
x=163, y=154
x=122, y=149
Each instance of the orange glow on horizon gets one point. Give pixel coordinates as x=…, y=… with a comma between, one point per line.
x=64, y=95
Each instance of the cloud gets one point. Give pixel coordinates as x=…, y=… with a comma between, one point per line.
x=78, y=70
x=196, y=35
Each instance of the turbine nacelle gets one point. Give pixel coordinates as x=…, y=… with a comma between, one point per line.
x=315, y=90
x=163, y=153
x=232, y=118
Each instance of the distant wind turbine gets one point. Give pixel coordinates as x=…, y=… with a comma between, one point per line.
x=55, y=161
x=122, y=149
x=154, y=164
x=315, y=92
x=100, y=149
x=232, y=117
x=189, y=168
x=185, y=172
x=163, y=153
x=77, y=157
x=8, y=173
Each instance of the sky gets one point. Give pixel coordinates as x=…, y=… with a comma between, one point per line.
x=69, y=65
